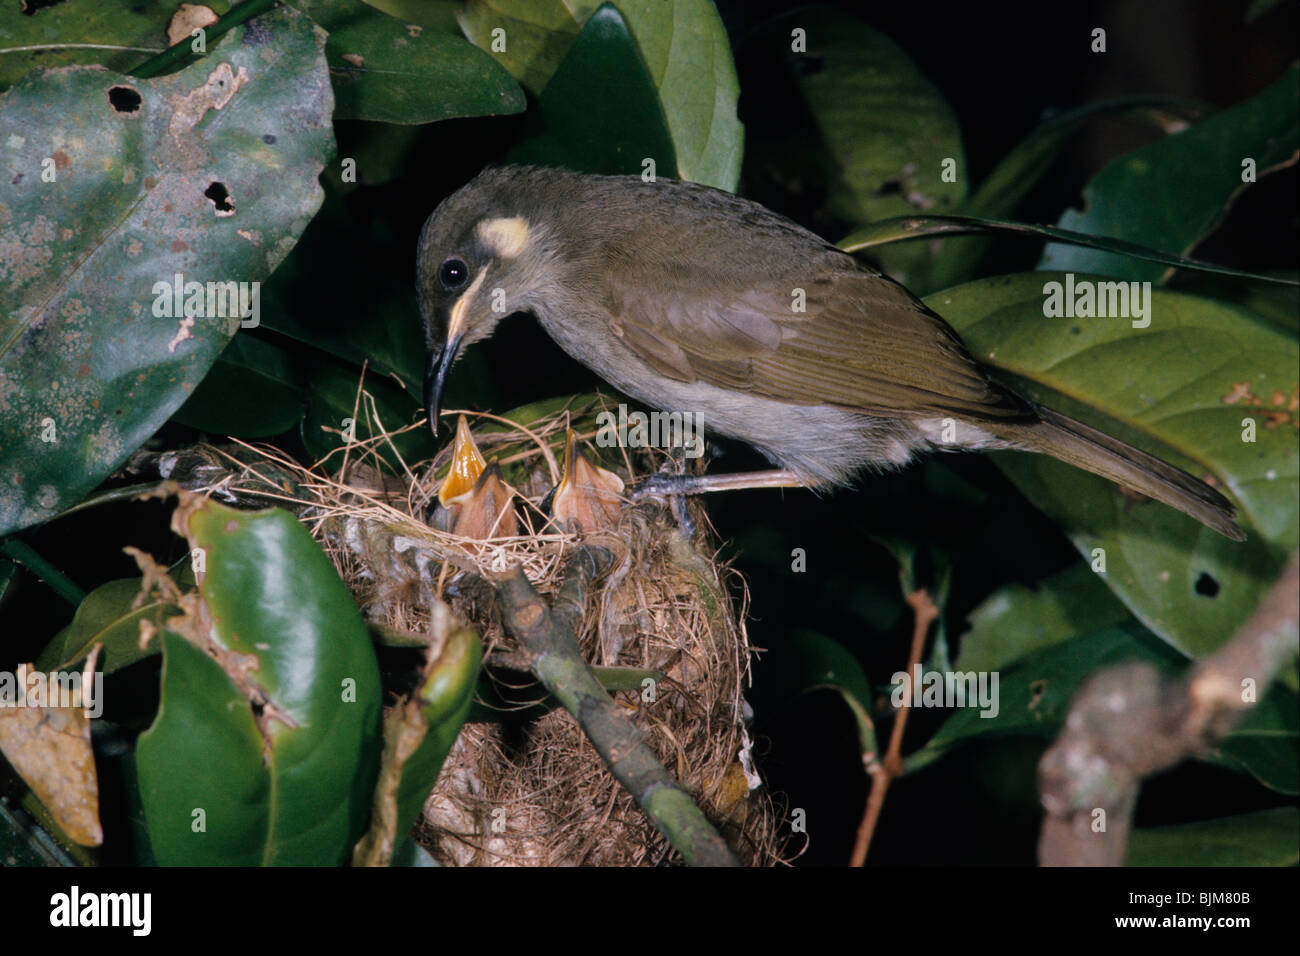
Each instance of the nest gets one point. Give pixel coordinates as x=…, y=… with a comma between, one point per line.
x=526, y=787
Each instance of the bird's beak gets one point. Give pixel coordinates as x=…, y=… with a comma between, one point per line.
x=435, y=378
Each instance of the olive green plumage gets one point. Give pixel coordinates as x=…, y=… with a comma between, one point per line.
x=692, y=299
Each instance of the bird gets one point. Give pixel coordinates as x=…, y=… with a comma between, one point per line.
x=691, y=299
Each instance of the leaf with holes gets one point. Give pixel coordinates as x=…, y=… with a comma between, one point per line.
x=1183, y=388
x=209, y=174
x=118, y=34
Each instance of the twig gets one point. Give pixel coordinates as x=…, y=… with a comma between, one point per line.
x=1129, y=722
x=549, y=635
x=884, y=772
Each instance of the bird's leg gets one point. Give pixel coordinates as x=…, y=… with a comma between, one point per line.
x=663, y=486
x=675, y=468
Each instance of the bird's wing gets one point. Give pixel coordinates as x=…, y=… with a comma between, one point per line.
x=862, y=342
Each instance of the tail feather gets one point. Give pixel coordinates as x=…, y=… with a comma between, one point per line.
x=1076, y=443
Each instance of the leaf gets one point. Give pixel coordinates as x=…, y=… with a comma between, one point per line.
x=688, y=55
x=600, y=113
x=882, y=134
x=1171, y=194
x=107, y=617
x=418, y=734
x=119, y=34
x=1016, y=174
x=817, y=662
x=1017, y=621
x=250, y=392
x=394, y=72
x=535, y=34
x=87, y=371
x=1267, y=742
x=288, y=783
x=1263, y=838
x=1175, y=388
x=1033, y=696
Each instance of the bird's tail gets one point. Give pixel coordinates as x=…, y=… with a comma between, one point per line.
x=1074, y=442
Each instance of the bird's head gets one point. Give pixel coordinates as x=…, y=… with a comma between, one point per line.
x=483, y=254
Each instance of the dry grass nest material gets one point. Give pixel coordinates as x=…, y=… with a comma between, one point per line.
x=528, y=788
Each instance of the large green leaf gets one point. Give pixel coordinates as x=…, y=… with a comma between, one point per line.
x=1023, y=167
x=1263, y=838
x=209, y=173
x=288, y=781
x=600, y=112
x=387, y=70
x=686, y=50
x=881, y=134
x=1174, y=388
x=1016, y=621
x=1034, y=695
x=1172, y=193
x=528, y=37
x=119, y=34
x=683, y=46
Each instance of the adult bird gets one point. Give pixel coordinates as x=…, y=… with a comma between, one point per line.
x=690, y=299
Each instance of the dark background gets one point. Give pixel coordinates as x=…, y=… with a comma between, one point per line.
x=1002, y=68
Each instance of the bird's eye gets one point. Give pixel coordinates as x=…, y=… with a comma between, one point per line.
x=453, y=274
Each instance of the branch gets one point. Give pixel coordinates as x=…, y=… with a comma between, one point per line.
x=883, y=772
x=549, y=636
x=1129, y=722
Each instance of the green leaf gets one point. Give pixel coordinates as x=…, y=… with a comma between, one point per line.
x=1034, y=695
x=445, y=696
x=1263, y=838
x=291, y=786
x=107, y=617
x=87, y=371
x=118, y=34
x=818, y=662
x=1171, y=388
x=881, y=132
x=534, y=37
x=1171, y=194
x=434, y=14
x=395, y=72
x=1017, y=621
x=686, y=50
x=1023, y=167
x=250, y=392
x=1267, y=742
x=600, y=113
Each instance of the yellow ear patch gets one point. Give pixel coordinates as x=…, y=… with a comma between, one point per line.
x=506, y=237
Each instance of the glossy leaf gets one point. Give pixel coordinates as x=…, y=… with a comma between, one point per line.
x=395, y=72
x=210, y=173
x=1017, y=621
x=529, y=38
x=818, y=662
x=107, y=617
x=1263, y=838
x=1181, y=388
x=1170, y=194
x=600, y=113
x=118, y=34
x=685, y=48
x=251, y=392
x=292, y=785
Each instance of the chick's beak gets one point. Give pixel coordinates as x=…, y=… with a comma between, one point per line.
x=435, y=378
